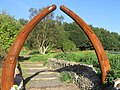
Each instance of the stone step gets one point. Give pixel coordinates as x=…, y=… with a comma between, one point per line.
x=31, y=64
x=45, y=83
x=44, y=76
x=64, y=87
x=53, y=86
x=41, y=78
x=46, y=72
x=26, y=62
x=48, y=78
x=33, y=71
x=35, y=68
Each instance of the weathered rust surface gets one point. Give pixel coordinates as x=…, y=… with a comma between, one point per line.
x=102, y=57
x=11, y=59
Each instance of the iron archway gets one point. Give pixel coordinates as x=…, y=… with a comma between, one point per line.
x=102, y=57
x=12, y=56
x=11, y=59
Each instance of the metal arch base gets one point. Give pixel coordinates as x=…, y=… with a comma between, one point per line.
x=8, y=68
x=102, y=57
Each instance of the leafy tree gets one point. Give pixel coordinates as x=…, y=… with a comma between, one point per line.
x=23, y=21
x=69, y=46
x=9, y=27
x=110, y=41
x=46, y=34
x=77, y=35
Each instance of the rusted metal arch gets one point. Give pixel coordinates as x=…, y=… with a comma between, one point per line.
x=8, y=68
x=11, y=59
x=102, y=57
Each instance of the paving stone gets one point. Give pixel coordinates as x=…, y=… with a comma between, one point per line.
x=45, y=77
x=40, y=78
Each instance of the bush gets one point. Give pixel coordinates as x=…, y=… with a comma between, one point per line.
x=9, y=28
x=115, y=68
x=65, y=76
x=69, y=46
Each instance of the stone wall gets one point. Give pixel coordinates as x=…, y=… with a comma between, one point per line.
x=84, y=76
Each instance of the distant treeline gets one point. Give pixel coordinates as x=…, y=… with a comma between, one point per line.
x=53, y=33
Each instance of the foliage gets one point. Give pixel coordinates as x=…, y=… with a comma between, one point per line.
x=110, y=41
x=34, y=56
x=76, y=35
x=46, y=34
x=85, y=56
x=51, y=33
x=14, y=87
x=91, y=59
x=9, y=28
x=65, y=76
x=115, y=65
x=110, y=78
x=22, y=21
x=38, y=58
x=69, y=46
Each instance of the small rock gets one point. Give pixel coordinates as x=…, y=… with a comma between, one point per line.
x=117, y=83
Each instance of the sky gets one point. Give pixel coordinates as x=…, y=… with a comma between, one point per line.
x=99, y=13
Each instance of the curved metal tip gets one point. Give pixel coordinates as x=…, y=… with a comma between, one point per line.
x=52, y=7
x=64, y=8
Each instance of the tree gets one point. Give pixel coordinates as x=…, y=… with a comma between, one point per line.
x=23, y=21
x=77, y=35
x=45, y=34
x=9, y=27
x=110, y=41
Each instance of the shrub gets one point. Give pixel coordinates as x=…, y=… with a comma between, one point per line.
x=69, y=46
x=65, y=76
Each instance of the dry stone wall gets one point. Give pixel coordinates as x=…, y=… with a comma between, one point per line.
x=84, y=76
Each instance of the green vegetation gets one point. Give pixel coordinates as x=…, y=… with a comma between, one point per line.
x=87, y=57
x=90, y=58
x=115, y=68
x=84, y=57
x=9, y=28
x=53, y=34
x=65, y=76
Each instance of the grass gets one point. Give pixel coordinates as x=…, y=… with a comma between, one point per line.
x=65, y=76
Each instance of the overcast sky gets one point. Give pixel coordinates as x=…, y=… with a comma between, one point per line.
x=99, y=13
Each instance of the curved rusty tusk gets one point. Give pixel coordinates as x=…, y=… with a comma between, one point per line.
x=102, y=57
x=8, y=68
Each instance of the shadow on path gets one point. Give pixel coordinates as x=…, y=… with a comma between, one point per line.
x=83, y=70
